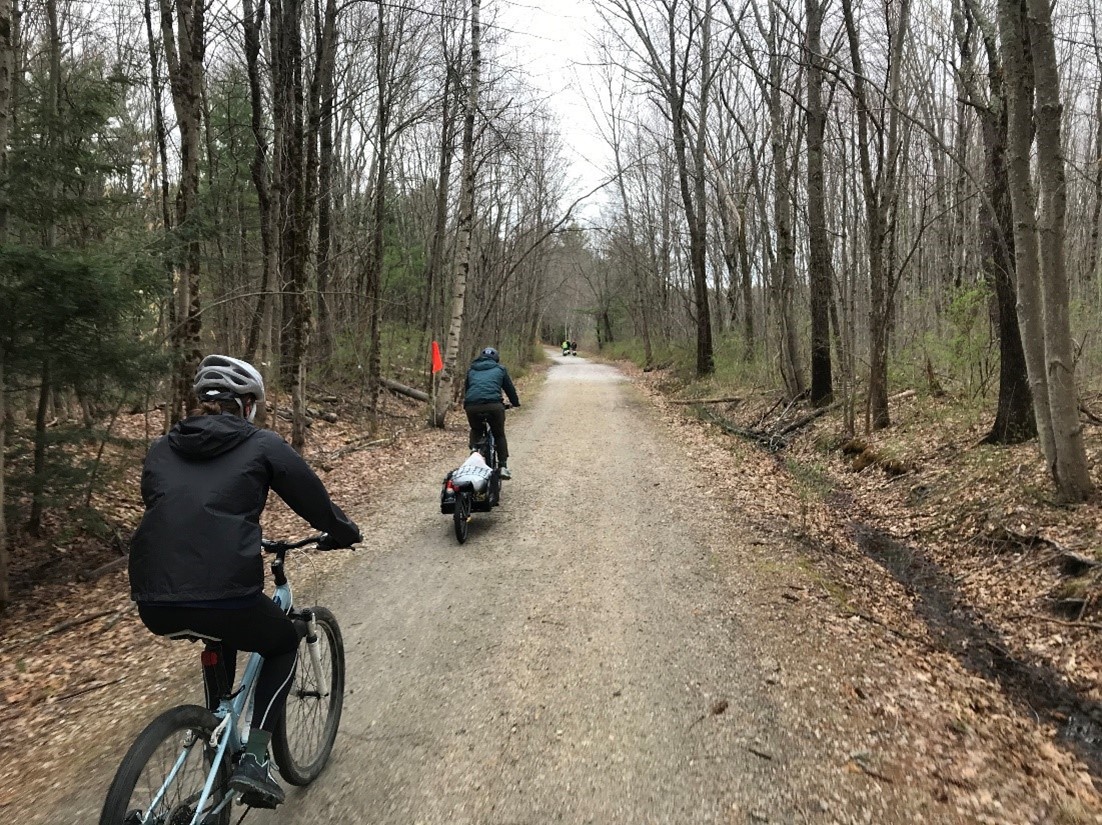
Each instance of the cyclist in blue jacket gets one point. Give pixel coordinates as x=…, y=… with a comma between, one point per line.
x=486, y=380
x=195, y=560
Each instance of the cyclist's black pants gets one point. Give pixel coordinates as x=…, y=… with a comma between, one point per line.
x=262, y=627
x=495, y=414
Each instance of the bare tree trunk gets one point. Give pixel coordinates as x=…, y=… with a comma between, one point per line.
x=1094, y=267
x=638, y=271
x=879, y=190
x=34, y=524
x=38, y=486
x=463, y=229
x=819, y=274
x=325, y=184
x=434, y=265
x=383, y=57
x=253, y=19
x=5, y=585
x=1068, y=464
x=1014, y=421
x=698, y=217
x=185, y=44
x=7, y=59
x=747, y=283
x=161, y=163
x=271, y=333
x=783, y=202
x=729, y=220
x=295, y=227
x=1094, y=271
x=667, y=63
x=1014, y=41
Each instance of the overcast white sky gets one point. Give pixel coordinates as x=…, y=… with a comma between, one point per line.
x=551, y=41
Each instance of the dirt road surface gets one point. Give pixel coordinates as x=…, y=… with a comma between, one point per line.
x=607, y=647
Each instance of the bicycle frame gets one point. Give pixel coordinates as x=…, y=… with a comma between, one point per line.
x=491, y=443
x=231, y=733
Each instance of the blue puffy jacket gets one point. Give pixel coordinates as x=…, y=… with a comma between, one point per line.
x=485, y=380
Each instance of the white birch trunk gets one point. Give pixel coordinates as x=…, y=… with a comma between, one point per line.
x=463, y=243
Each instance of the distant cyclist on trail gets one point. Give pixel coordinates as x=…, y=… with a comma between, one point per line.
x=195, y=560
x=486, y=380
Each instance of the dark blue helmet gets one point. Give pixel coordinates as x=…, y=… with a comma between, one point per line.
x=490, y=352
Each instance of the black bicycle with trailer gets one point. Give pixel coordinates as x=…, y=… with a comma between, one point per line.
x=475, y=486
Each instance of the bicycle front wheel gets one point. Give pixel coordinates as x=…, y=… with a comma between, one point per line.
x=304, y=737
x=161, y=778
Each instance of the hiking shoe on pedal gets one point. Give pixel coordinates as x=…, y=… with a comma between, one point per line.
x=505, y=473
x=254, y=782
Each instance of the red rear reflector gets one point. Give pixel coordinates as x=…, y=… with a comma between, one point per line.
x=209, y=658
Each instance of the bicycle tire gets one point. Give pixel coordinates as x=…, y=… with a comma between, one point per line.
x=147, y=764
x=462, y=515
x=304, y=736
x=487, y=445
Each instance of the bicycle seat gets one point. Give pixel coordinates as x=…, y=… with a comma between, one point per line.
x=193, y=636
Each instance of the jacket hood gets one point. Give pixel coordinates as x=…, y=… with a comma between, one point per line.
x=207, y=436
x=484, y=363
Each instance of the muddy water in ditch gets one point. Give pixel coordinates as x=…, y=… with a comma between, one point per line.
x=1037, y=690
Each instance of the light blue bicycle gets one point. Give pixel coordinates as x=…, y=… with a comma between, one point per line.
x=177, y=772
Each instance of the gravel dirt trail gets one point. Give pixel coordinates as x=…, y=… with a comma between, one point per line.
x=597, y=652
x=564, y=665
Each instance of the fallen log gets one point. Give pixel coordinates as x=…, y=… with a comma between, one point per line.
x=324, y=415
x=87, y=689
x=64, y=626
x=1088, y=414
x=807, y=419
x=365, y=443
x=766, y=440
x=103, y=570
x=402, y=389
x=287, y=415
x=727, y=400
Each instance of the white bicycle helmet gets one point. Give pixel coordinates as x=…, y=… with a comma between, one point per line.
x=218, y=374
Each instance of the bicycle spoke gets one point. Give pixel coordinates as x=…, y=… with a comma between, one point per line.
x=304, y=739
x=162, y=778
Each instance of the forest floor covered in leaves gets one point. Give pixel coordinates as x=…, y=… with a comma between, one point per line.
x=947, y=556
x=75, y=664
x=954, y=555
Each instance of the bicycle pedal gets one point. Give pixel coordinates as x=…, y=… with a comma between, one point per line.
x=258, y=801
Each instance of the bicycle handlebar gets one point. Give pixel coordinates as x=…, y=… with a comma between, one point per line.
x=277, y=546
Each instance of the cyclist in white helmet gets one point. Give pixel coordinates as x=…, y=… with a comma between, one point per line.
x=195, y=559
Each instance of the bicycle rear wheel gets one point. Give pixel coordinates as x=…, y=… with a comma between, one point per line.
x=303, y=739
x=148, y=791
x=462, y=515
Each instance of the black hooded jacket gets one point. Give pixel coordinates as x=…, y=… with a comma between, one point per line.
x=204, y=486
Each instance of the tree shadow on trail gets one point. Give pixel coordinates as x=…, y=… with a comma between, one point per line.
x=1035, y=689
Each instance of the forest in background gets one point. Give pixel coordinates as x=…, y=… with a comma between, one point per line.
x=827, y=199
